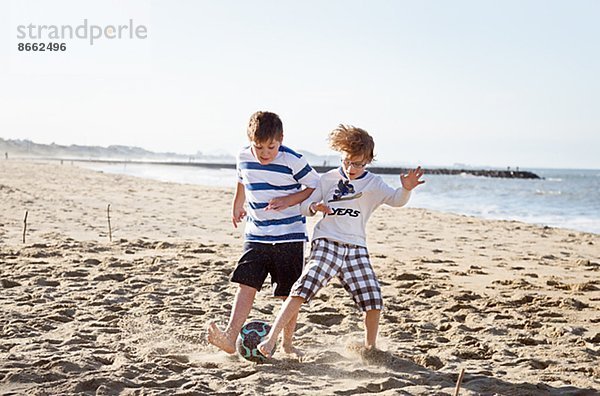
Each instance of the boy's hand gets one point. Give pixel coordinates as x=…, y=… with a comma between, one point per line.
x=411, y=180
x=237, y=215
x=320, y=207
x=279, y=203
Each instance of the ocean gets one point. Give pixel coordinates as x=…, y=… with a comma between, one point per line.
x=565, y=198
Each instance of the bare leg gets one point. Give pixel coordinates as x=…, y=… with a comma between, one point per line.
x=371, y=327
x=242, y=304
x=288, y=312
x=288, y=337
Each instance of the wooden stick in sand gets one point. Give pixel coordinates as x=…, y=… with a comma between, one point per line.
x=460, y=378
x=25, y=225
x=108, y=217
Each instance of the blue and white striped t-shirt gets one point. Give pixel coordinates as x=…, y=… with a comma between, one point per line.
x=285, y=175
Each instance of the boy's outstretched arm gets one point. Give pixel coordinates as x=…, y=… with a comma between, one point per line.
x=411, y=179
x=237, y=211
x=282, y=203
x=400, y=196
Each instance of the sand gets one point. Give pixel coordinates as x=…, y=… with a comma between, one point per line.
x=515, y=305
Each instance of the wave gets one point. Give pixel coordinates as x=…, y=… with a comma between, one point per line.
x=541, y=192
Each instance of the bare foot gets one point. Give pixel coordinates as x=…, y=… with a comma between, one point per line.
x=292, y=350
x=219, y=338
x=369, y=354
x=266, y=347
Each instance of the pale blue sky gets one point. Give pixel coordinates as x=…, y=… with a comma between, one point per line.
x=499, y=83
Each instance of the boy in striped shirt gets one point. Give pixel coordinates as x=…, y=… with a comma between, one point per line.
x=271, y=178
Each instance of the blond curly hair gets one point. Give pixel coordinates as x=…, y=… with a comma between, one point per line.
x=353, y=141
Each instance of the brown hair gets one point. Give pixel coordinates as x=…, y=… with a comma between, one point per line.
x=352, y=140
x=265, y=126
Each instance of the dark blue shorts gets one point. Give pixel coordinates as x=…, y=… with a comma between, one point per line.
x=283, y=261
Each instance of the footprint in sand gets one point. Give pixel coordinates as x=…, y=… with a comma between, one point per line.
x=46, y=282
x=118, y=277
x=75, y=274
x=476, y=352
x=428, y=293
x=408, y=277
x=7, y=283
x=326, y=319
x=429, y=361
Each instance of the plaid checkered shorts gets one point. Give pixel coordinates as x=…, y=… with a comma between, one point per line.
x=349, y=263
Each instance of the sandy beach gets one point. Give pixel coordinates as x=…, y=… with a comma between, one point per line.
x=515, y=305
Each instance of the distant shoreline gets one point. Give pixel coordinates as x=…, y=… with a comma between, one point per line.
x=496, y=173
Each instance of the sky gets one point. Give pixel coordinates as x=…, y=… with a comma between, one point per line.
x=436, y=83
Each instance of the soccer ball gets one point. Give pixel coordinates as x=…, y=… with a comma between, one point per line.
x=250, y=336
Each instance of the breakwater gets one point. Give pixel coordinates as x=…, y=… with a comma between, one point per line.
x=507, y=174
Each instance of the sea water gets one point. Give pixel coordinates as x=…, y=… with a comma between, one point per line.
x=562, y=198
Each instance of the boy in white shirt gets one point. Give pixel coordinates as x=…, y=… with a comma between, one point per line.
x=347, y=197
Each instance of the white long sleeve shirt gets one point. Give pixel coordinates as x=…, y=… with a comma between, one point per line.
x=352, y=203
